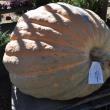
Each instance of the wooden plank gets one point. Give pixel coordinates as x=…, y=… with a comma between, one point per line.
x=92, y=102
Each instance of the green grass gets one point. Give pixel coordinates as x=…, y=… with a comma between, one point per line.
x=4, y=38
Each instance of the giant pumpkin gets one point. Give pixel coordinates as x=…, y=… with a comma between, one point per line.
x=52, y=48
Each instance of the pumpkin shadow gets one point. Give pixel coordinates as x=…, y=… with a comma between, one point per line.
x=19, y=39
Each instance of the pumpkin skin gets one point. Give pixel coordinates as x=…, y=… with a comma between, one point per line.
x=49, y=52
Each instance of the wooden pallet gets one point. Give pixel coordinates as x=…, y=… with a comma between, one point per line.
x=95, y=101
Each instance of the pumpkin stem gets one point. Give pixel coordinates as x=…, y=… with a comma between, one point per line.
x=97, y=54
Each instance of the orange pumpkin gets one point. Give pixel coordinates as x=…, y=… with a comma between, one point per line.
x=51, y=49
